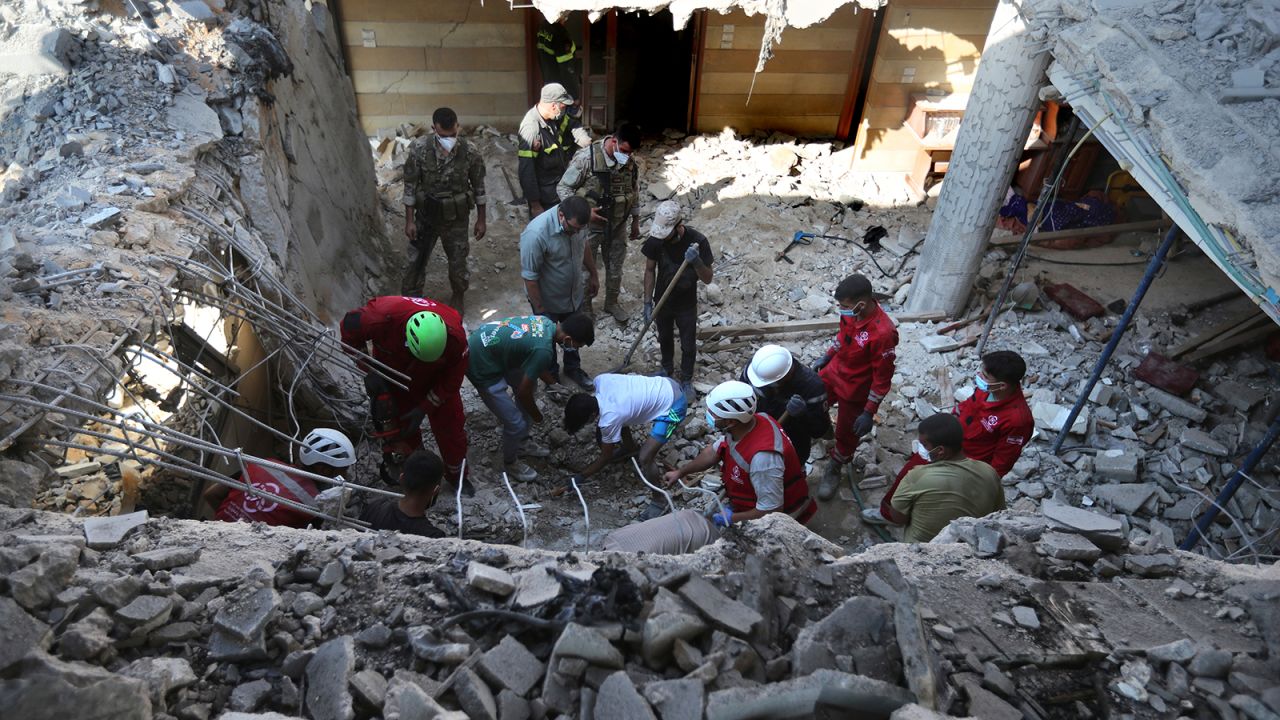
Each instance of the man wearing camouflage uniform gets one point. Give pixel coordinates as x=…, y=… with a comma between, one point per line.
x=549, y=136
x=443, y=178
x=604, y=175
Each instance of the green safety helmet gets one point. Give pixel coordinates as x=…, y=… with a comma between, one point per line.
x=425, y=335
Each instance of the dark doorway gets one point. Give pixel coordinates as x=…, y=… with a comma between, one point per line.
x=654, y=64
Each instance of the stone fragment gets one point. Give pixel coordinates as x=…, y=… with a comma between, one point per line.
x=22, y=481
x=35, y=585
x=661, y=190
x=86, y=638
x=474, y=696
x=1064, y=546
x=168, y=558
x=195, y=11
x=842, y=695
x=1177, y=406
x=174, y=633
x=1152, y=566
x=369, y=687
x=1201, y=441
x=1178, y=651
x=117, y=592
x=49, y=689
x=1240, y=396
x=334, y=572
x=577, y=641
x=859, y=622
x=375, y=636
x=147, y=611
x=161, y=675
x=427, y=646
x=100, y=219
x=191, y=116
x=535, y=586
x=619, y=700
x=247, y=612
x=990, y=541
x=307, y=603
x=1026, y=617
x=988, y=706
x=719, y=609
x=225, y=646
x=329, y=678
x=671, y=619
x=676, y=699
x=103, y=533
x=405, y=700
x=247, y=697
x=19, y=633
x=1211, y=663
x=510, y=665
x=490, y=579
x=512, y=706
x=1126, y=498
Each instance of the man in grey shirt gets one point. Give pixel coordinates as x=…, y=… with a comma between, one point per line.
x=553, y=255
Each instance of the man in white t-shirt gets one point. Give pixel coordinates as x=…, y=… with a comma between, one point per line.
x=621, y=401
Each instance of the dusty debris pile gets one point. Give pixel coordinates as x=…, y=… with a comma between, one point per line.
x=168, y=618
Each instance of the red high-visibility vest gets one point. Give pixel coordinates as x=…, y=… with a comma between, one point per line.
x=735, y=470
x=240, y=506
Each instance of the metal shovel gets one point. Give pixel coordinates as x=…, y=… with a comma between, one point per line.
x=626, y=360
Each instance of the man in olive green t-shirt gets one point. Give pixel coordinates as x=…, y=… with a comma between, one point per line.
x=949, y=487
x=507, y=358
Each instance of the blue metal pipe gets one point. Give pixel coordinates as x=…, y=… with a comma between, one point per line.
x=1153, y=267
x=1255, y=456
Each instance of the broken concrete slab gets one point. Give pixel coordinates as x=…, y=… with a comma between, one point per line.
x=719, y=609
x=1064, y=546
x=1050, y=417
x=1161, y=565
x=940, y=343
x=1127, y=498
x=32, y=50
x=328, y=680
x=20, y=633
x=510, y=665
x=474, y=695
x=168, y=558
x=1177, y=406
x=247, y=612
x=536, y=586
x=146, y=611
x=1026, y=617
x=161, y=676
x=1201, y=441
x=859, y=622
x=1103, y=531
x=1116, y=465
x=190, y=115
x=802, y=697
x=618, y=699
x=102, y=533
x=577, y=641
x=676, y=699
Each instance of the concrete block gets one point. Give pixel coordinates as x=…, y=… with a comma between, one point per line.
x=1117, y=465
x=719, y=609
x=102, y=533
x=34, y=50
x=1103, y=531
x=510, y=665
x=1026, y=617
x=1068, y=547
x=1127, y=498
x=490, y=579
x=1051, y=417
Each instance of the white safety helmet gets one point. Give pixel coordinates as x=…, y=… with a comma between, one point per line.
x=329, y=447
x=770, y=364
x=732, y=400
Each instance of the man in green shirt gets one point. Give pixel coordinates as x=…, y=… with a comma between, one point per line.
x=951, y=486
x=507, y=359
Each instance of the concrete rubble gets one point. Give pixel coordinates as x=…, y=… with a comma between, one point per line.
x=900, y=625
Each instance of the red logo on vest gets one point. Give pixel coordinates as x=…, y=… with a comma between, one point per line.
x=989, y=422
x=862, y=338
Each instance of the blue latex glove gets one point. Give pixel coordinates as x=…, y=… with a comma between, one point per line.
x=723, y=518
x=863, y=424
x=692, y=256
x=796, y=406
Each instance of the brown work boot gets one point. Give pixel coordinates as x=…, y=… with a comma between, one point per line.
x=614, y=308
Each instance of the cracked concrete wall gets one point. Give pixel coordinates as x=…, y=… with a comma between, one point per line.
x=310, y=189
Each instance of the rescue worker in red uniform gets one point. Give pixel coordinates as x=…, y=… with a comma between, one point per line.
x=324, y=452
x=424, y=340
x=857, y=372
x=759, y=467
x=996, y=419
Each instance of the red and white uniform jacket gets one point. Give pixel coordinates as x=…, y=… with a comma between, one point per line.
x=735, y=470
x=862, y=360
x=995, y=433
x=381, y=322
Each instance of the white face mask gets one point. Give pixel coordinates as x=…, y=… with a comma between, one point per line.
x=620, y=157
x=447, y=143
x=921, y=450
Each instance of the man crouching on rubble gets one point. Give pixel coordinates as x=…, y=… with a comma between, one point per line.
x=950, y=486
x=759, y=468
x=425, y=341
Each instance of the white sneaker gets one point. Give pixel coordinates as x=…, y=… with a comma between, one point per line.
x=520, y=472
x=534, y=450
x=872, y=515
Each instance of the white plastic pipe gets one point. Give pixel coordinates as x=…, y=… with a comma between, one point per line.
x=586, y=515
x=670, y=503
x=524, y=526
x=457, y=498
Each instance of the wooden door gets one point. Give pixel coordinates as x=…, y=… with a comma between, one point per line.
x=600, y=71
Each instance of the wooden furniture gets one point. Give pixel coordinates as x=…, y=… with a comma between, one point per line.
x=935, y=120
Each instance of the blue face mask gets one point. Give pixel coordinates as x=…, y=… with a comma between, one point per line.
x=846, y=313
x=711, y=420
x=982, y=383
